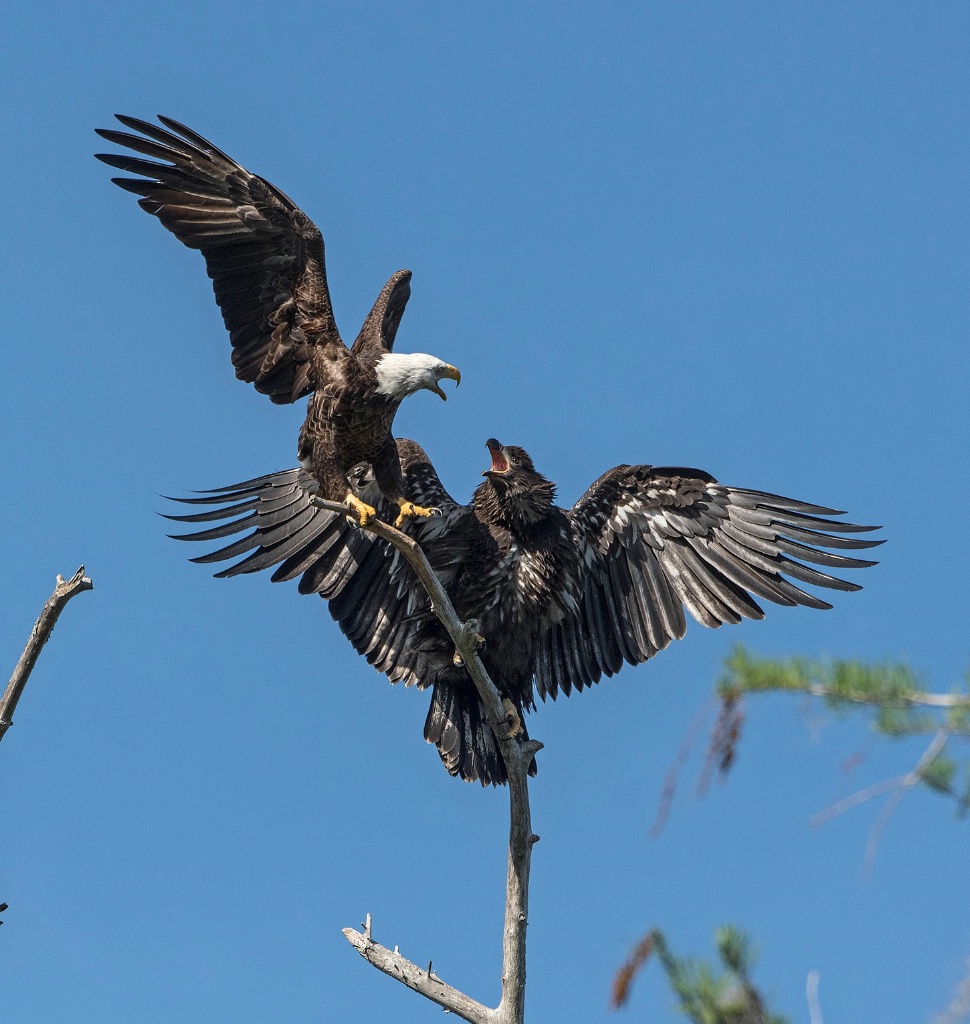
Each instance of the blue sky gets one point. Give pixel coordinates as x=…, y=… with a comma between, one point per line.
x=731, y=236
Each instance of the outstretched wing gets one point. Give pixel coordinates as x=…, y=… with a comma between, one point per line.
x=653, y=541
x=373, y=593
x=264, y=255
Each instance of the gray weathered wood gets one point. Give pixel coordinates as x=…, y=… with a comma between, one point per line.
x=63, y=592
x=518, y=756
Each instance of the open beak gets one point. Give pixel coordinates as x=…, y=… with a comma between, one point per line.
x=500, y=464
x=454, y=374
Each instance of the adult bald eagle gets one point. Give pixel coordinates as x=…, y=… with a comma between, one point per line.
x=266, y=261
x=564, y=596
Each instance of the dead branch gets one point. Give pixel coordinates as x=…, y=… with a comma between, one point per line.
x=860, y=797
x=936, y=746
x=811, y=995
x=898, y=787
x=39, y=635
x=421, y=980
x=634, y=964
x=518, y=757
x=674, y=771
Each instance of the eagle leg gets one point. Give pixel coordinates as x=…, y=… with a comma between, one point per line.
x=512, y=723
x=365, y=513
x=409, y=509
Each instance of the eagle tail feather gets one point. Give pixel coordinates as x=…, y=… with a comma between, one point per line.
x=458, y=727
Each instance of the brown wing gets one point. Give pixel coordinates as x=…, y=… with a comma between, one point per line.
x=380, y=328
x=653, y=541
x=264, y=255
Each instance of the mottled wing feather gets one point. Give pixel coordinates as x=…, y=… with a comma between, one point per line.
x=264, y=255
x=653, y=541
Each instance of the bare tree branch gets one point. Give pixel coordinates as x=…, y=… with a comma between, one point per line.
x=673, y=772
x=39, y=636
x=936, y=746
x=518, y=757
x=869, y=793
x=898, y=787
x=463, y=634
x=811, y=994
x=421, y=980
x=959, y=1008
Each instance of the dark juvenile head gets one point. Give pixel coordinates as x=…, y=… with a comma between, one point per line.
x=514, y=495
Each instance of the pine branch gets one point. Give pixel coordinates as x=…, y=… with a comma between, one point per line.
x=706, y=996
x=39, y=635
x=901, y=707
x=851, y=682
x=518, y=757
x=893, y=692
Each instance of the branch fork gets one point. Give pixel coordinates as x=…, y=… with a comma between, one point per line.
x=504, y=720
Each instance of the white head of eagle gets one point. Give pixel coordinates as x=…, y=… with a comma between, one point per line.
x=401, y=374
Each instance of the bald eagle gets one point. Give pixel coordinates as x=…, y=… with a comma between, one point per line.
x=266, y=261
x=564, y=596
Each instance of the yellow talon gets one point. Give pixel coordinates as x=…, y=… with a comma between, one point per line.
x=365, y=513
x=409, y=509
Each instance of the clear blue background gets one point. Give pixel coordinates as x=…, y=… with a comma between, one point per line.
x=725, y=235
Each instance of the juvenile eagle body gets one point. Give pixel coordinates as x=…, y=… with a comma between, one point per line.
x=266, y=261
x=564, y=596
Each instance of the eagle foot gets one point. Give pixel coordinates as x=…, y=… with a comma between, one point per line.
x=365, y=513
x=512, y=723
x=458, y=661
x=469, y=634
x=409, y=510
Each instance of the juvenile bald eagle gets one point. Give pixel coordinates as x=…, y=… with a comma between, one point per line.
x=266, y=261
x=564, y=596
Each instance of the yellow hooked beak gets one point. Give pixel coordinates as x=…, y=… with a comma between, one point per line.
x=454, y=374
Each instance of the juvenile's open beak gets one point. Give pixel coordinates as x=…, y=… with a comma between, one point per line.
x=500, y=464
x=454, y=374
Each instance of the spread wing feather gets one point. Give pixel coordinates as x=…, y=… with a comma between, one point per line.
x=372, y=592
x=264, y=255
x=652, y=541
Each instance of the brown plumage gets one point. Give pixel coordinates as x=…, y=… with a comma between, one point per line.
x=563, y=596
x=266, y=261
